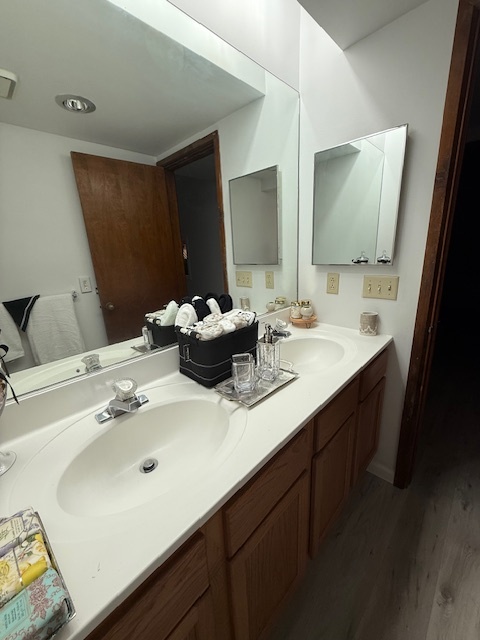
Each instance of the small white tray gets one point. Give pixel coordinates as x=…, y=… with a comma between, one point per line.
x=263, y=388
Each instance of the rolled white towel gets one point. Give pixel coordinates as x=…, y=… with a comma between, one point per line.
x=213, y=318
x=209, y=332
x=248, y=316
x=213, y=306
x=170, y=314
x=227, y=325
x=186, y=316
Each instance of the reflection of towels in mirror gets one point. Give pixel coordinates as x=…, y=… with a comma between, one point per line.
x=9, y=335
x=53, y=330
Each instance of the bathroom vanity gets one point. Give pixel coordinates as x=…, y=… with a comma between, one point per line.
x=216, y=558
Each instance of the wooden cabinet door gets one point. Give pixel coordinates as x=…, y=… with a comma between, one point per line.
x=269, y=565
x=368, y=425
x=198, y=624
x=331, y=470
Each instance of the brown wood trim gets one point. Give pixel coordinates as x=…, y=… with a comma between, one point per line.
x=195, y=151
x=452, y=143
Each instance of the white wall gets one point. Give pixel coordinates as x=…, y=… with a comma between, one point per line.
x=397, y=75
x=43, y=242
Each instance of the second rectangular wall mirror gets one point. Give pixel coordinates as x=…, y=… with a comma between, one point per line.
x=254, y=211
x=356, y=197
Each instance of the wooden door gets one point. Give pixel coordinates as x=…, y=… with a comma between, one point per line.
x=134, y=242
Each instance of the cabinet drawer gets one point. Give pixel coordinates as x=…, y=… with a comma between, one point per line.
x=244, y=513
x=160, y=603
x=372, y=375
x=330, y=419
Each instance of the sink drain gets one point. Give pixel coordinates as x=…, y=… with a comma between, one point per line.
x=149, y=465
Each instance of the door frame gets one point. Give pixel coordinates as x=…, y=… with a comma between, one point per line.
x=201, y=148
x=449, y=163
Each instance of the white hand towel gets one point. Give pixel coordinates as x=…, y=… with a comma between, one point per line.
x=53, y=330
x=186, y=316
x=170, y=314
x=9, y=335
x=213, y=306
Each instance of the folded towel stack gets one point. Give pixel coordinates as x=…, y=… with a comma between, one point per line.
x=213, y=325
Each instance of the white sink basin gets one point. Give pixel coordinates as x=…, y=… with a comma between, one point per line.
x=316, y=351
x=94, y=470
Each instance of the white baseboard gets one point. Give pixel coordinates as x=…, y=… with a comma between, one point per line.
x=381, y=471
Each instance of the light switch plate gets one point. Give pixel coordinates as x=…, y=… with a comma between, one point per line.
x=243, y=278
x=85, y=284
x=269, y=280
x=384, y=287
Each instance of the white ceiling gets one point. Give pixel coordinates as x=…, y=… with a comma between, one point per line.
x=348, y=21
x=151, y=92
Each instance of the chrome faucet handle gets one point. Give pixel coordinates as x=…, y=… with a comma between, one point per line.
x=91, y=362
x=124, y=389
x=125, y=401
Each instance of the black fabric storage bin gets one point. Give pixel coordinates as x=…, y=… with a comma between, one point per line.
x=210, y=362
x=162, y=336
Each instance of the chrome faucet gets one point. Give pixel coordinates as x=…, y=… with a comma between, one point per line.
x=125, y=401
x=92, y=362
x=280, y=330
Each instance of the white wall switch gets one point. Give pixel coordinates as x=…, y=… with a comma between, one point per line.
x=85, y=284
x=269, y=280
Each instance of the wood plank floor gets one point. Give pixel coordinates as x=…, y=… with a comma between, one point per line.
x=405, y=565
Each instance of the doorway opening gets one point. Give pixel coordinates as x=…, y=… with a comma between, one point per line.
x=432, y=319
x=194, y=188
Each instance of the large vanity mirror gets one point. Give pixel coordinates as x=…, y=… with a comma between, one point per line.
x=356, y=198
x=160, y=82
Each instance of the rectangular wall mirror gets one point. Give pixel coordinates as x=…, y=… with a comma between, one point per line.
x=255, y=216
x=356, y=197
x=161, y=82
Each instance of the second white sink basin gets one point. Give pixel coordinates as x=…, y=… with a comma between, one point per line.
x=316, y=352
x=98, y=470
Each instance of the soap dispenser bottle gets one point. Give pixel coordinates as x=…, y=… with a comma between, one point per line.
x=268, y=355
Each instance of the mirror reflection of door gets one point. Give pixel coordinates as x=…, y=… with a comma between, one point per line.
x=194, y=186
x=134, y=241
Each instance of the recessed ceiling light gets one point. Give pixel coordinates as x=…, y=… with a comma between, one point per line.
x=76, y=104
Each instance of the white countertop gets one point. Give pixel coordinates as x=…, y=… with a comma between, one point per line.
x=105, y=561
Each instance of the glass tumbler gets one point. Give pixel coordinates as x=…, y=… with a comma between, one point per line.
x=243, y=372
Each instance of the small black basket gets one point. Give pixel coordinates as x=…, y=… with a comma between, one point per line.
x=162, y=336
x=209, y=362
